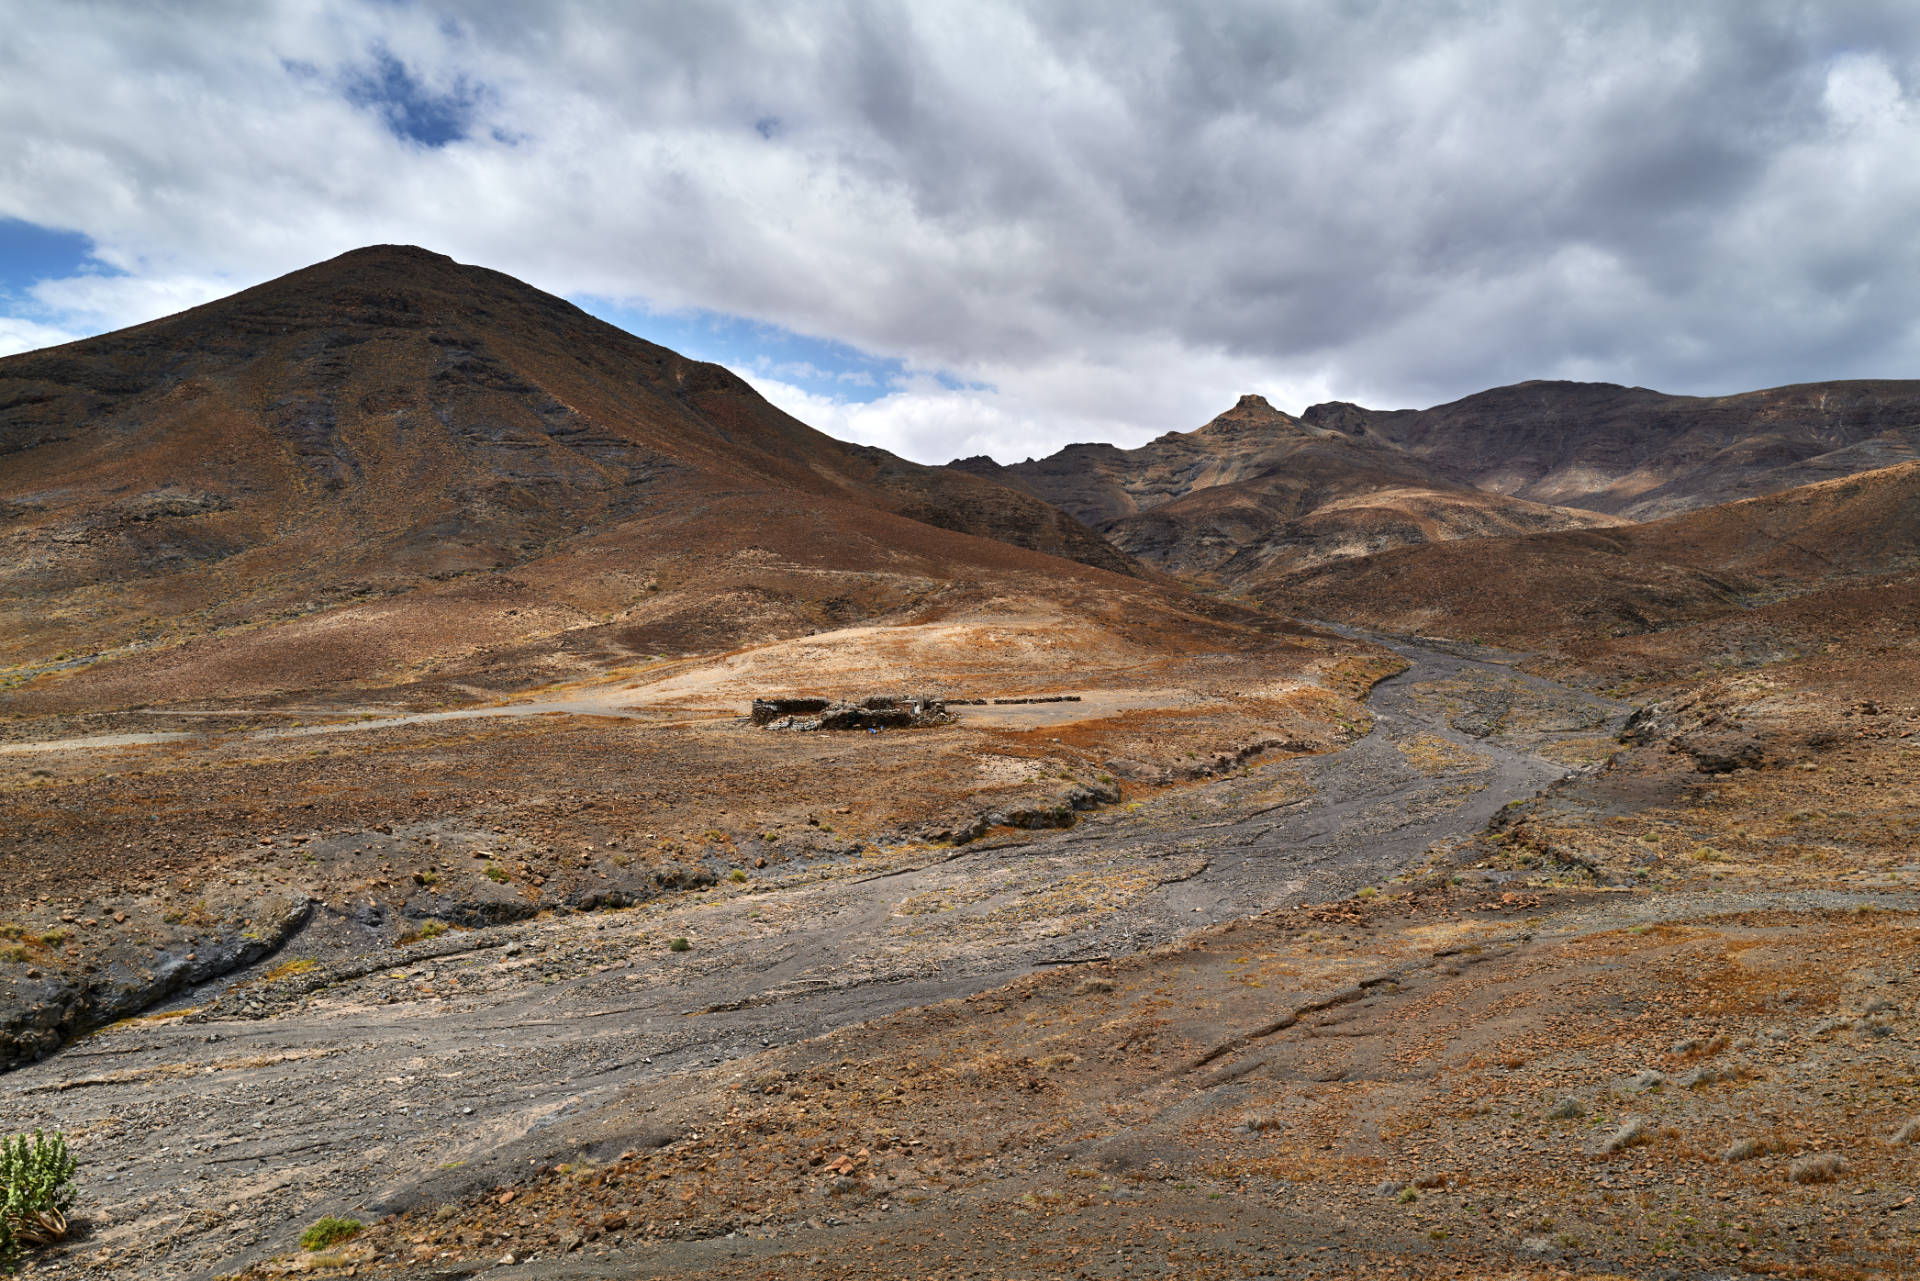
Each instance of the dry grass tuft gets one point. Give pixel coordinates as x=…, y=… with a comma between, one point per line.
x=1821, y=1167
x=1747, y=1149
x=1630, y=1135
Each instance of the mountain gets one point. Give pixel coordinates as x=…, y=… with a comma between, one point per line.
x=1644, y=454
x=1256, y=492
x=1567, y=586
x=392, y=424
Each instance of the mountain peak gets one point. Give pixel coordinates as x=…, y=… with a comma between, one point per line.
x=413, y=253
x=1251, y=414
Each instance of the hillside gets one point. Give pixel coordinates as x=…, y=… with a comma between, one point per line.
x=1644, y=454
x=394, y=424
x=1256, y=492
x=1564, y=587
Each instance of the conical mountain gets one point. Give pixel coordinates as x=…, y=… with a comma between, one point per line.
x=391, y=423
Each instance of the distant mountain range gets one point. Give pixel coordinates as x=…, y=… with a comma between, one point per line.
x=1256, y=494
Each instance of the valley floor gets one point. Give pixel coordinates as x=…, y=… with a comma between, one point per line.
x=1366, y=1013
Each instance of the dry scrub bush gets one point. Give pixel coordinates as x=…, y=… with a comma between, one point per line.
x=1632, y=1134
x=1747, y=1149
x=1821, y=1167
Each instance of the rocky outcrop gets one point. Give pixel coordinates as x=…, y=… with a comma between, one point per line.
x=1061, y=810
x=41, y=1011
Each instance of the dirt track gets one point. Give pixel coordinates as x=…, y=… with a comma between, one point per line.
x=207, y=1142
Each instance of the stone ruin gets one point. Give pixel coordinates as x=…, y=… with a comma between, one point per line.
x=880, y=711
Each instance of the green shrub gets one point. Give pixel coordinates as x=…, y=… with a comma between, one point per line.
x=737, y=876
x=427, y=930
x=329, y=1231
x=678, y=945
x=36, y=1189
x=495, y=873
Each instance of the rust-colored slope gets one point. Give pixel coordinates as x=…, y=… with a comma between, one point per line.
x=1101, y=484
x=1256, y=492
x=1315, y=509
x=1567, y=586
x=390, y=419
x=1645, y=454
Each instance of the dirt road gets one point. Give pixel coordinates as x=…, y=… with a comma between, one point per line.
x=208, y=1140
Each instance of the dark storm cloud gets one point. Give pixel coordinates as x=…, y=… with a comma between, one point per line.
x=1073, y=218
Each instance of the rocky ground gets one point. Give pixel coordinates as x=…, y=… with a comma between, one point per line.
x=216, y=1129
x=1513, y=985
x=144, y=867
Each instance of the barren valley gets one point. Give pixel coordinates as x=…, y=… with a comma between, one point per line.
x=1314, y=852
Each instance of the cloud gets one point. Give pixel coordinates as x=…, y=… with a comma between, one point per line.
x=1053, y=220
x=27, y=335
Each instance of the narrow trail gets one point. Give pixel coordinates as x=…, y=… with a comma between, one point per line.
x=207, y=1144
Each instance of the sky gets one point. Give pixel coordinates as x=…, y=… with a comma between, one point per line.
x=996, y=227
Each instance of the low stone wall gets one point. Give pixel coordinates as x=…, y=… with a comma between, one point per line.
x=879, y=711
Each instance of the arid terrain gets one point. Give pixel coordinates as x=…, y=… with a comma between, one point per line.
x=1531, y=895
x=1257, y=493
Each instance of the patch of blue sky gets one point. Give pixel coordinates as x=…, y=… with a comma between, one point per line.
x=819, y=366
x=411, y=109
x=31, y=253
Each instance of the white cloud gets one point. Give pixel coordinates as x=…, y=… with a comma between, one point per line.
x=1113, y=218
x=1030, y=411
x=26, y=335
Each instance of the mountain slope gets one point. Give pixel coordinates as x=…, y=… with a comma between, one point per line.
x=389, y=420
x=1256, y=492
x=1571, y=585
x=1644, y=454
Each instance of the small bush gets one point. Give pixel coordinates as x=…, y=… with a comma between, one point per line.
x=737, y=876
x=1821, y=1167
x=1747, y=1149
x=1567, y=1110
x=1630, y=1135
x=36, y=1190
x=678, y=945
x=329, y=1231
x=496, y=873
